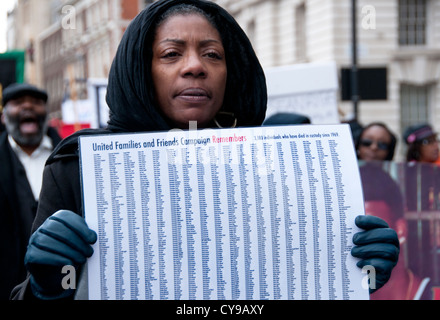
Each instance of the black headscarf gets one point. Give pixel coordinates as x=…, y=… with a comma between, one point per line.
x=130, y=92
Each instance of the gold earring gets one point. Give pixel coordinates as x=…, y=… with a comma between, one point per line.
x=226, y=116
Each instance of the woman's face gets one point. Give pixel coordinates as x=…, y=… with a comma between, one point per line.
x=374, y=144
x=189, y=70
x=429, y=149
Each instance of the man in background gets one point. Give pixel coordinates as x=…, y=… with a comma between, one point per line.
x=25, y=144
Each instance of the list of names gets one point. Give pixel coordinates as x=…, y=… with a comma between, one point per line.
x=251, y=213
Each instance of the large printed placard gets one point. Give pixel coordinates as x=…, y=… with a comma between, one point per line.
x=252, y=213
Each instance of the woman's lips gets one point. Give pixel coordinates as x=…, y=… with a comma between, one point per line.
x=194, y=95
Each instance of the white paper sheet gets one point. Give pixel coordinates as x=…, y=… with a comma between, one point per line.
x=250, y=213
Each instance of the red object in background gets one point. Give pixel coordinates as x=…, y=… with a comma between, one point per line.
x=436, y=293
x=65, y=130
x=68, y=129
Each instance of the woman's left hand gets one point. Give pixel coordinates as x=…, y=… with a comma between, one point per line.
x=377, y=246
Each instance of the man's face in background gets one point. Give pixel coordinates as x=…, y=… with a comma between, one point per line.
x=25, y=120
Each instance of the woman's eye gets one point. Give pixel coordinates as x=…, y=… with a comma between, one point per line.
x=170, y=54
x=214, y=55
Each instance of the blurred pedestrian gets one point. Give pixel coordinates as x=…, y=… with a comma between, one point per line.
x=422, y=143
x=376, y=143
x=286, y=118
x=24, y=148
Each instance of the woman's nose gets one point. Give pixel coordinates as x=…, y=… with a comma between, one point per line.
x=374, y=146
x=194, y=66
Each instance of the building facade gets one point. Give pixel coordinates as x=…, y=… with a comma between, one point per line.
x=81, y=44
x=78, y=42
x=398, y=45
x=398, y=51
x=25, y=23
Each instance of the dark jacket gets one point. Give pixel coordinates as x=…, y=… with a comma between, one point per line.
x=130, y=97
x=17, y=212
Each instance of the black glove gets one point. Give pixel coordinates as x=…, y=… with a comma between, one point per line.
x=64, y=239
x=377, y=246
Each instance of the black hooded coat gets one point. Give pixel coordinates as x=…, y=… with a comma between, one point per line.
x=130, y=97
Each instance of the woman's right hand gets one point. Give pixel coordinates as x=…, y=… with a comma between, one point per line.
x=64, y=239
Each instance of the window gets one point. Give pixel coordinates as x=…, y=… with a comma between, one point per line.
x=372, y=83
x=412, y=22
x=414, y=105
